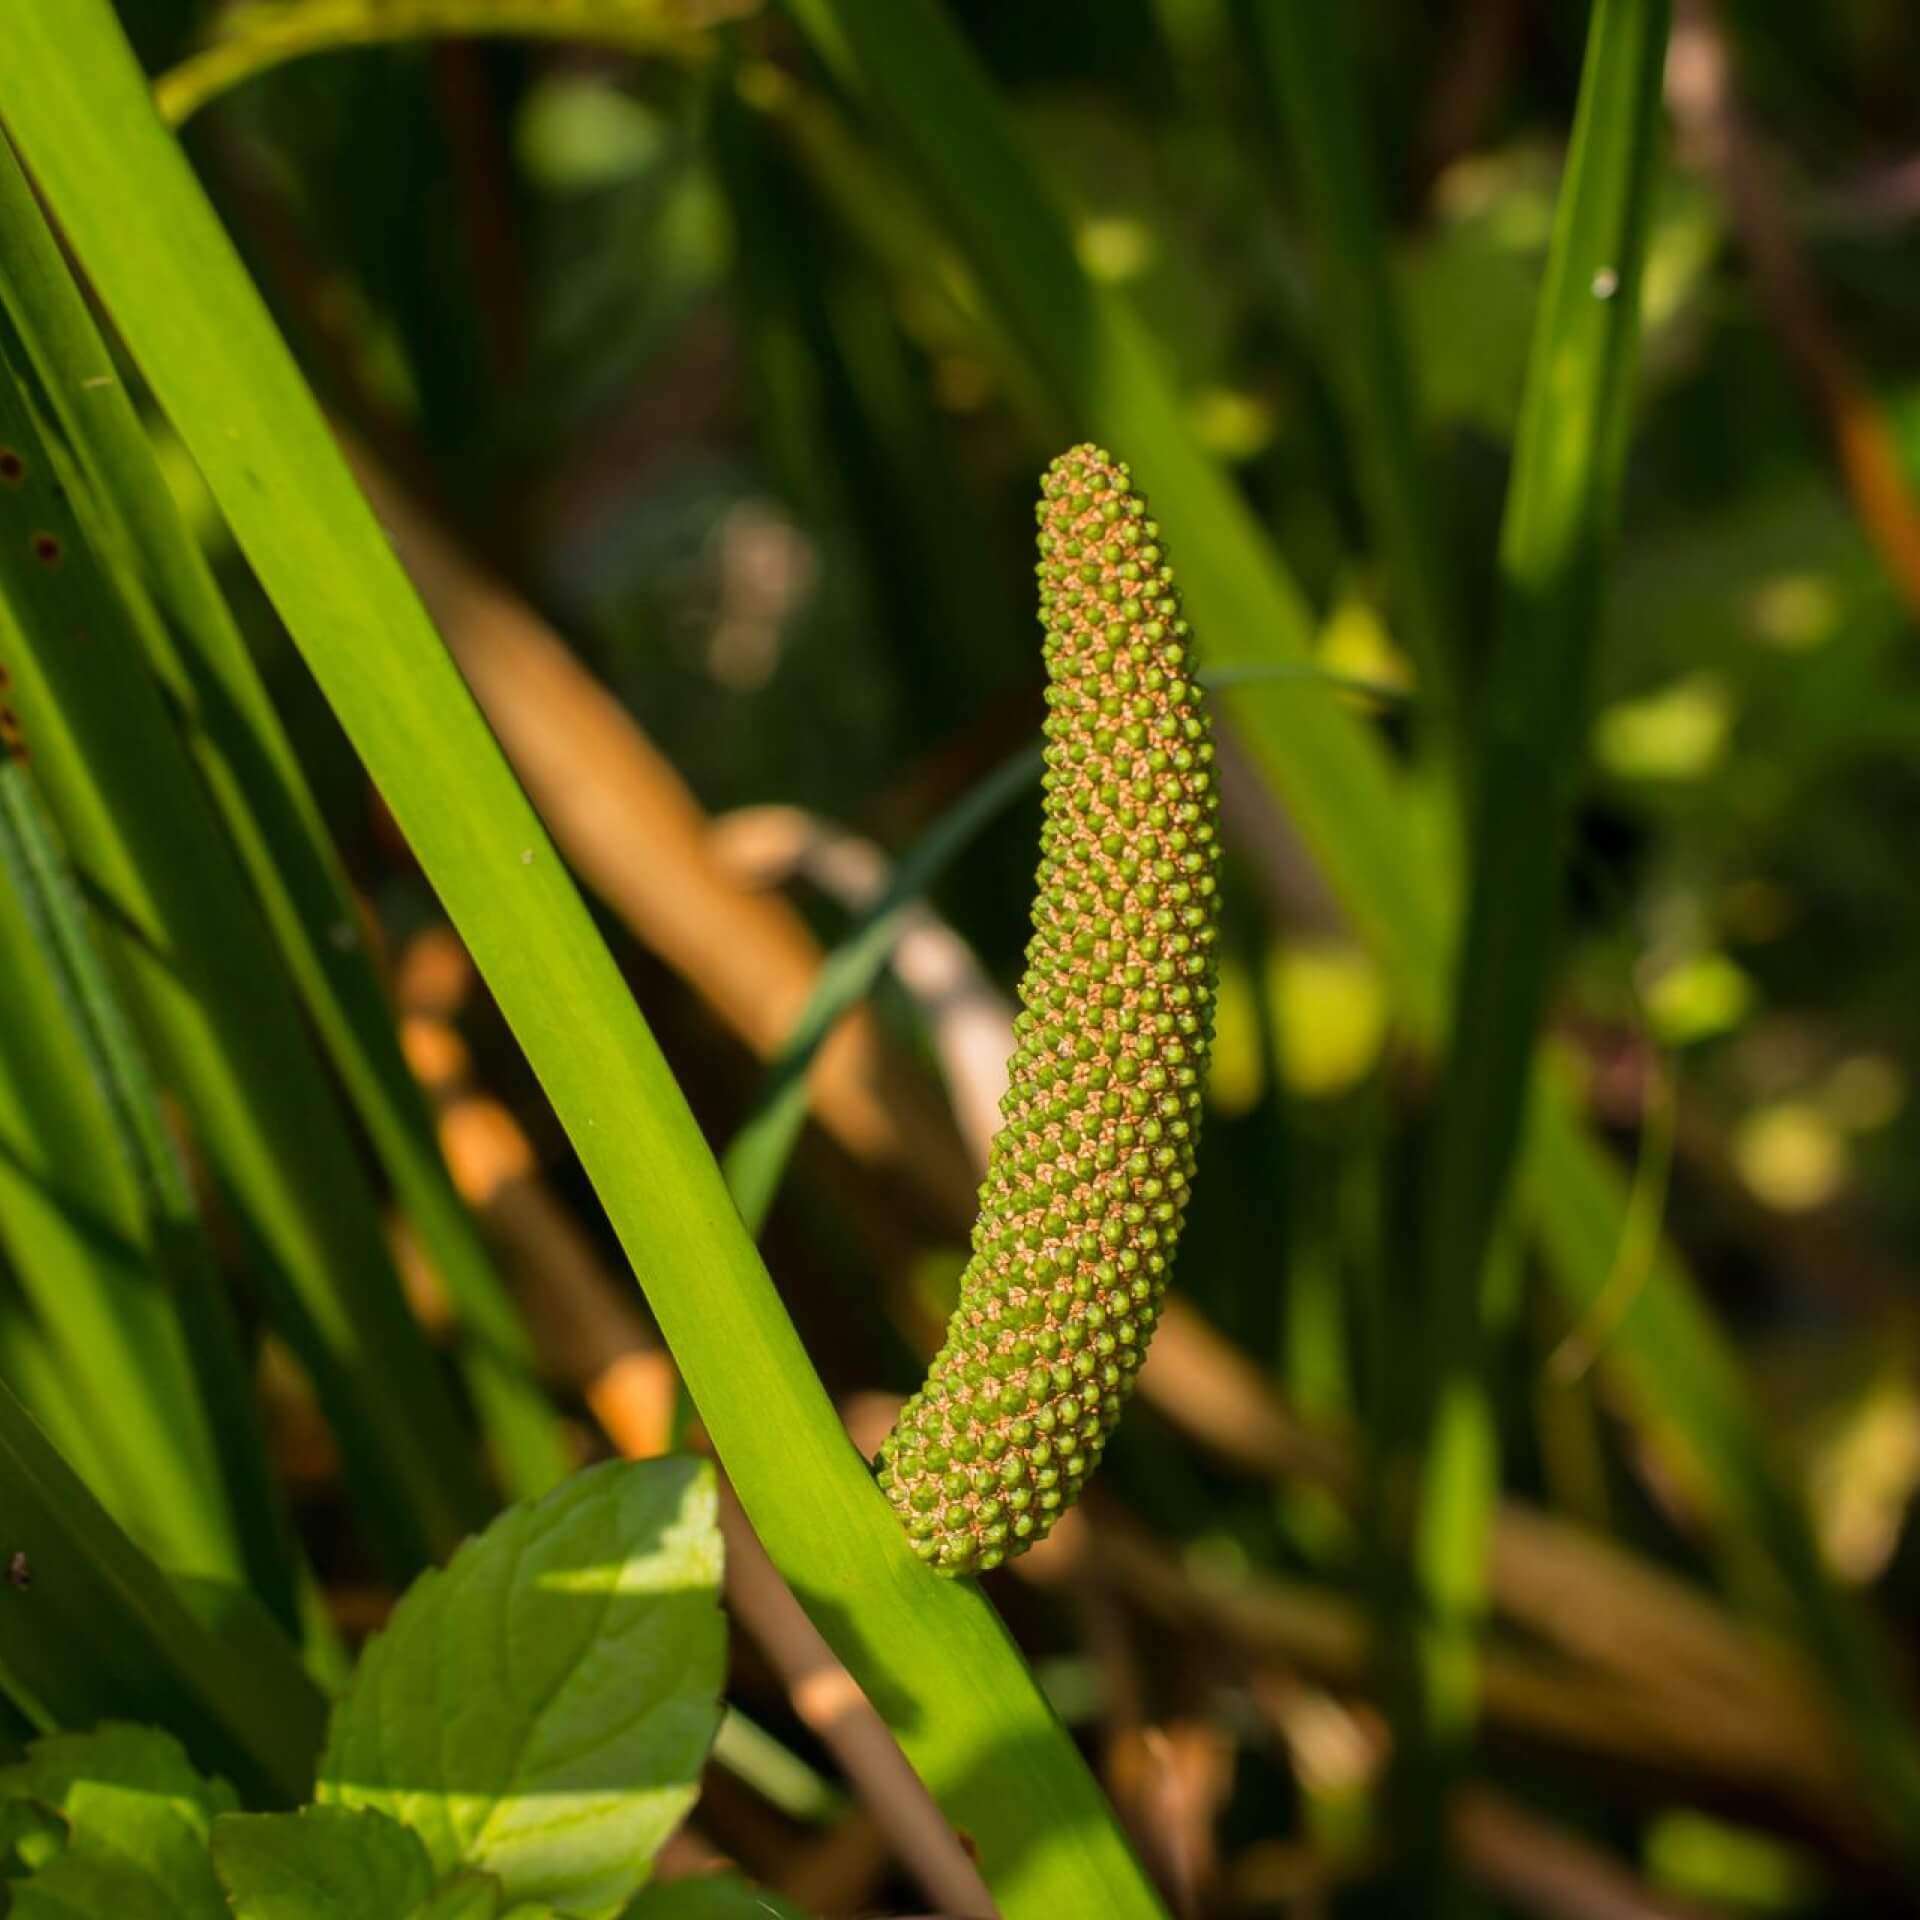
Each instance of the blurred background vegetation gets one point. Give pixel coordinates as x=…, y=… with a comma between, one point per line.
x=658, y=346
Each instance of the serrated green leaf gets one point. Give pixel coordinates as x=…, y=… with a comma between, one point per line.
x=322, y=1863
x=29, y=1835
x=137, y=1819
x=542, y=1707
x=472, y=1896
x=84, y=1888
x=711, y=1896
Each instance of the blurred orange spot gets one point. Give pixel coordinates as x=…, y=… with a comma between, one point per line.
x=437, y=1055
x=484, y=1147
x=436, y=976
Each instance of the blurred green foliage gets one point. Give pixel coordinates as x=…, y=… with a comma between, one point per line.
x=680, y=348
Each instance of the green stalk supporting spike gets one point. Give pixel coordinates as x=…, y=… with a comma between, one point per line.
x=1089, y=1177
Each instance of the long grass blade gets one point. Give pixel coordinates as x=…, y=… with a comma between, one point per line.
x=271, y=817
x=48, y=1385
x=1562, y=504
x=896, y=231
x=202, y=975
x=92, y=1630
x=1307, y=74
x=258, y=35
x=758, y=1155
x=103, y=1359
x=1696, y=1407
x=931, y=1654
x=35, y=865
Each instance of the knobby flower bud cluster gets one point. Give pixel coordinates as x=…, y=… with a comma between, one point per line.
x=1090, y=1173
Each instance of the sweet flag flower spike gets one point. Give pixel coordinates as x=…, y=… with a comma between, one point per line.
x=1090, y=1173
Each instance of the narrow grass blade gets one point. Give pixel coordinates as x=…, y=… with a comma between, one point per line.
x=202, y=974
x=755, y=1160
x=931, y=1654
x=1689, y=1398
x=92, y=1630
x=1562, y=504
x=775, y=1772
x=104, y=1360
x=261, y=1552
x=271, y=818
x=1307, y=74
x=916, y=74
x=255, y=38
x=896, y=231
x=843, y=416
x=49, y=1387
x=759, y=1153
